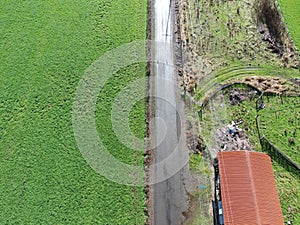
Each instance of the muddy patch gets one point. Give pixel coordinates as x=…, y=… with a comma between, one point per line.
x=274, y=32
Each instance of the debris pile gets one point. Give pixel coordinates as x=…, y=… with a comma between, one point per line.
x=232, y=138
x=236, y=96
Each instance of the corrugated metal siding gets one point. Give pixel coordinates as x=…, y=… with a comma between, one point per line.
x=248, y=189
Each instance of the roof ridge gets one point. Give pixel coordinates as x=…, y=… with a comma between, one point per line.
x=248, y=159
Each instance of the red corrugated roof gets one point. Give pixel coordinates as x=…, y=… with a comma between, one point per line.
x=248, y=189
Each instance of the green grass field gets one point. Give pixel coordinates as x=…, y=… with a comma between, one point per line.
x=280, y=122
x=291, y=13
x=45, y=47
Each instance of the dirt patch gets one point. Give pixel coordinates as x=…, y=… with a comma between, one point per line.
x=273, y=31
x=194, y=142
x=236, y=96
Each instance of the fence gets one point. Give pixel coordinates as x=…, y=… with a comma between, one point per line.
x=279, y=156
x=266, y=145
x=221, y=88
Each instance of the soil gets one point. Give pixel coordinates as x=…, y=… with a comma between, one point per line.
x=274, y=32
x=149, y=153
x=195, y=143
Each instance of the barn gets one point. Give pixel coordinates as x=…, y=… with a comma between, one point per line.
x=245, y=190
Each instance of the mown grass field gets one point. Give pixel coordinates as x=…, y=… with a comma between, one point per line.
x=45, y=47
x=291, y=13
x=287, y=183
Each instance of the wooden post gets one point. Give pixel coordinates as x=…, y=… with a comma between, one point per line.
x=257, y=126
x=200, y=114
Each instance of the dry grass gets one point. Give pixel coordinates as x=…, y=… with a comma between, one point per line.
x=272, y=85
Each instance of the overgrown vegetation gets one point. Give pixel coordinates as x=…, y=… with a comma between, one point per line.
x=45, y=48
x=232, y=36
x=289, y=192
x=218, y=35
x=226, y=27
x=245, y=41
x=202, y=172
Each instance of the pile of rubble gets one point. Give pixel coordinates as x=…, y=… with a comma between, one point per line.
x=232, y=138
